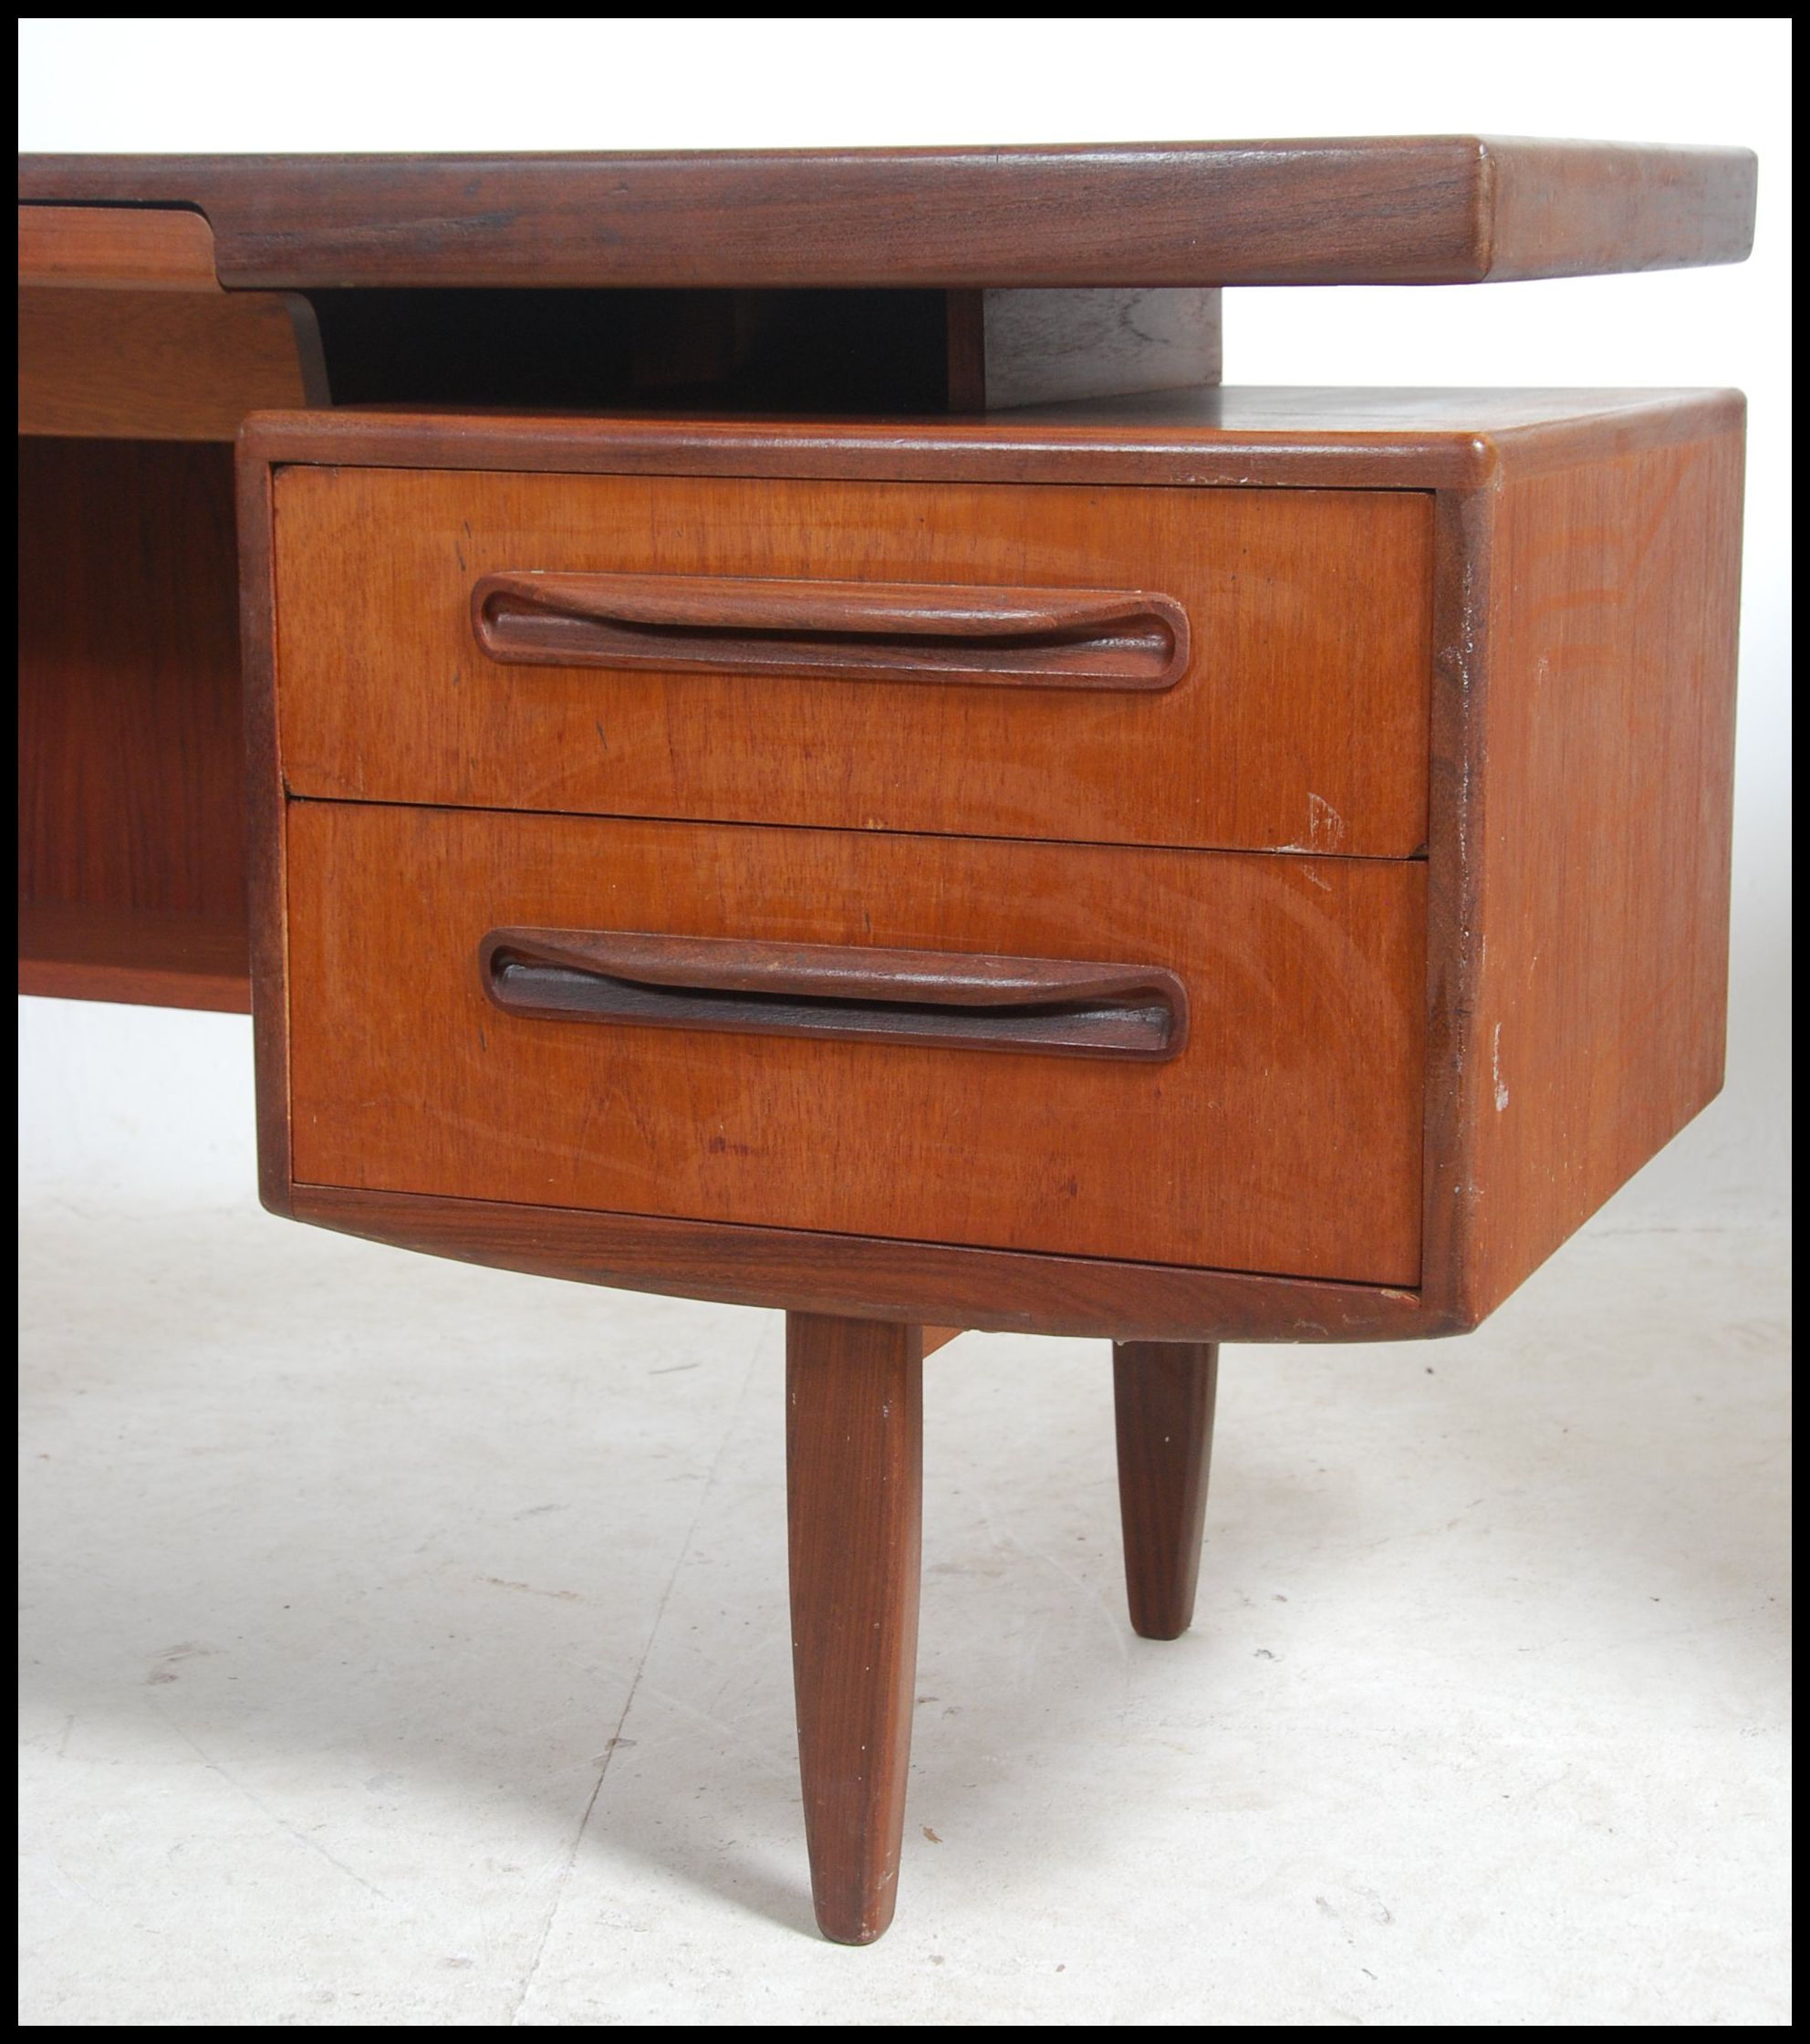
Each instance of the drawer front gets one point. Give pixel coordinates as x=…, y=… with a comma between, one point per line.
x=1272, y=1123
x=1278, y=701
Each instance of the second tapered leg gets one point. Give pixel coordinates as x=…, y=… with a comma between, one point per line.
x=854, y=1458
x=1163, y=1398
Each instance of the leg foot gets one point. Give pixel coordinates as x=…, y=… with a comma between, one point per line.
x=1163, y=1395
x=854, y=1459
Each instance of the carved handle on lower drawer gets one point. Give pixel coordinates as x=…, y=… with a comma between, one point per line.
x=893, y=631
x=854, y=993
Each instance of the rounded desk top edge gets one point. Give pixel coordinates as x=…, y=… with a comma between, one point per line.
x=1365, y=210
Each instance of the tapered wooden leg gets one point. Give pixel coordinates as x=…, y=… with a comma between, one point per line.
x=854, y=1463
x=1163, y=1396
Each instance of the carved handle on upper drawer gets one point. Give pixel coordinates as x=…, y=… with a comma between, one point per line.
x=852, y=992
x=890, y=631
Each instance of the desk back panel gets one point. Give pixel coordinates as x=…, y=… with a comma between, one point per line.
x=132, y=769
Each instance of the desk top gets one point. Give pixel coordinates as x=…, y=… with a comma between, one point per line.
x=1453, y=209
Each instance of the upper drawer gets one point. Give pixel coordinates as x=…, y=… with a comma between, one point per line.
x=869, y=655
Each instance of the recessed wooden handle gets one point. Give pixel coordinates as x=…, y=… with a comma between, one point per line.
x=853, y=993
x=894, y=631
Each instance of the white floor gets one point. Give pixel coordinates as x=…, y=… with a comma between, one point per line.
x=406, y=1645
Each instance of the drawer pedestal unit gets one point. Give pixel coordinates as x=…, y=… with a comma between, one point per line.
x=1217, y=872
x=803, y=752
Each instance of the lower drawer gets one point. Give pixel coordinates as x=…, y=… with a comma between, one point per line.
x=490, y=1005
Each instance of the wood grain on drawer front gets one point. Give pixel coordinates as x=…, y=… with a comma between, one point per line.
x=1299, y=723
x=1285, y=1137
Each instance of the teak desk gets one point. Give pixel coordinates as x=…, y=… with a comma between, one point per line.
x=803, y=752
